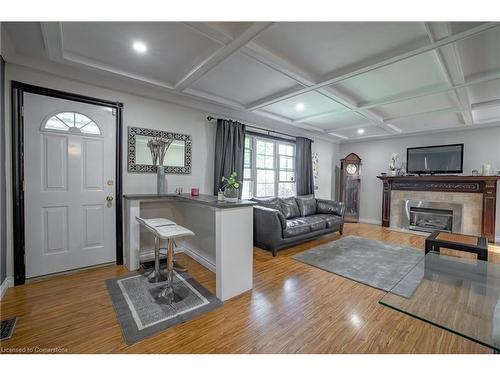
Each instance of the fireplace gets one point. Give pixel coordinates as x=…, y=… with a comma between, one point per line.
x=427, y=216
x=476, y=194
x=430, y=219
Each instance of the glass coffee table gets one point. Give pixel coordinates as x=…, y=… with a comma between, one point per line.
x=459, y=295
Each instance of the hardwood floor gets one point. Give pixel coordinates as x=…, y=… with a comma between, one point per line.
x=293, y=308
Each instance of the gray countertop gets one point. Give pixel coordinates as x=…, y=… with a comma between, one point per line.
x=203, y=199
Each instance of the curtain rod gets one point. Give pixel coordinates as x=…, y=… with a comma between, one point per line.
x=210, y=118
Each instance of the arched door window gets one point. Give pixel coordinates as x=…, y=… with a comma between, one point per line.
x=72, y=122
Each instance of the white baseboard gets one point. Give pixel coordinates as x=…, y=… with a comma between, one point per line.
x=370, y=221
x=7, y=283
x=200, y=259
x=497, y=239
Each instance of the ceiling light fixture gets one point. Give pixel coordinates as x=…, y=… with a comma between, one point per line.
x=139, y=47
x=300, y=106
x=361, y=131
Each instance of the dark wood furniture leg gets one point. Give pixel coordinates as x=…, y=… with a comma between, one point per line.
x=428, y=246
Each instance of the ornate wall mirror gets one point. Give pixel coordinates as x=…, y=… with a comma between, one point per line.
x=177, y=159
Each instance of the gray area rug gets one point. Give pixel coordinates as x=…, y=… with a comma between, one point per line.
x=141, y=316
x=378, y=264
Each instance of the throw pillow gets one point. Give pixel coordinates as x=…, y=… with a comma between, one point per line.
x=307, y=205
x=289, y=207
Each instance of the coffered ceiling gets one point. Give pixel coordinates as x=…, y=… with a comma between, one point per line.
x=341, y=81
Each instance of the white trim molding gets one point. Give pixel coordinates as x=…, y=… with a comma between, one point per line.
x=7, y=283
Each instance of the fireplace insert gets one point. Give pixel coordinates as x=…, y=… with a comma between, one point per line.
x=430, y=219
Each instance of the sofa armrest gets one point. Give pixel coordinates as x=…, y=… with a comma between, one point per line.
x=326, y=206
x=270, y=215
x=268, y=225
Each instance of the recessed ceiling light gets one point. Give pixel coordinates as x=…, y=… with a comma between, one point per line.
x=361, y=131
x=300, y=106
x=139, y=47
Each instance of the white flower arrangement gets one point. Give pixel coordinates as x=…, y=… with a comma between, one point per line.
x=392, y=164
x=158, y=147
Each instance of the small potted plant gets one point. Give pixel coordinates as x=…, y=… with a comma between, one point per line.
x=231, y=187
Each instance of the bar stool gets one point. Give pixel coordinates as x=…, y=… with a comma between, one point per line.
x=156, y=275
x=164, y=229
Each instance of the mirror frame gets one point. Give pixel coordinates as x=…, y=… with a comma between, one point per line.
x=145, y=168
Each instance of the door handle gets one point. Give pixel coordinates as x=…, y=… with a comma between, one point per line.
x=109, y=198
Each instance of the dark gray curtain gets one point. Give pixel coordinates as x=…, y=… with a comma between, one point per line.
x=304, y=170
x=229, y=151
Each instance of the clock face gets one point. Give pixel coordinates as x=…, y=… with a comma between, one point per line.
x=351, y=168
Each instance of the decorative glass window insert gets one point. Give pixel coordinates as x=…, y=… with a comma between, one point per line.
x=269, y=168
x=72, y=122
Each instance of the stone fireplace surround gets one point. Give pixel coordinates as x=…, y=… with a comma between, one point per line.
x=477, y=194
x=471, y=211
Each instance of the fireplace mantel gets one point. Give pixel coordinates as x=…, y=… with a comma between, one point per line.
x=485, y=185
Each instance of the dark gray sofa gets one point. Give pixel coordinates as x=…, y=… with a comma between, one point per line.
x=284, y=222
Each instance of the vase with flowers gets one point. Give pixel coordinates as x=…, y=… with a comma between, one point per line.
x=231, y=187
x=158, y=147
x=392, y=165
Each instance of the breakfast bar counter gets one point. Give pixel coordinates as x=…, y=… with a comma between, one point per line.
x=223, y=240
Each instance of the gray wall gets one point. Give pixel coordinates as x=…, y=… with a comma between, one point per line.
x=328, y=155
x=480, y=146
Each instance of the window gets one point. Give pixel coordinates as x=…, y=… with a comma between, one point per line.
x=72, y=122
x=269, y=168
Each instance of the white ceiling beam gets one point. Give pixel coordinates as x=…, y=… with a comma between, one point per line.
x=424, y=114
x=210, y=32
x=486, y=104
x=367, y=67
x=343, y=137
x=232, y=47
x=214, y=98
x=278, y=64
x=460, y=95
x=366, y=114
x=480, y=78
x=288, y=121
x=52, y=39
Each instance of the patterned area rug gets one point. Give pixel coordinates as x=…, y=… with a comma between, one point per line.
x=141, y=316
x=378, y=264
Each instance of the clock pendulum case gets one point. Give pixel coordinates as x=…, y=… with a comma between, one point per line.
x=350, y=186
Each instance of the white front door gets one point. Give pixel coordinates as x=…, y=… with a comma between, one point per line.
x=69, y=181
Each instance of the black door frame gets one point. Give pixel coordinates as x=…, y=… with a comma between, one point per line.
x=17, y=102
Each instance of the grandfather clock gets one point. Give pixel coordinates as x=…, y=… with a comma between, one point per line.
x=350, y=180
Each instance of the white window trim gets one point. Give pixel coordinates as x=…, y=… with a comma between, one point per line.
x=51, y=130
x=276, y=164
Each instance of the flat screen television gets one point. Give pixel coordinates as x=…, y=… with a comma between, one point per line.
x=435, y=159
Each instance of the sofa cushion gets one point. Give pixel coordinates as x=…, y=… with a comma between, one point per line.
x=331, y=220
x=290, y=208
x=296, y=227
x=316, y=222
x=268, y=202
x=325, y=206
x=307, y=205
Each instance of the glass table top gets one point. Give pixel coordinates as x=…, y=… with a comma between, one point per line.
x=459, y=295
